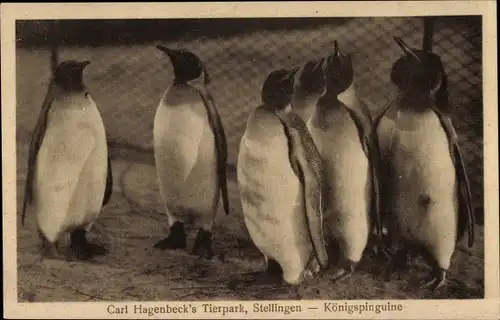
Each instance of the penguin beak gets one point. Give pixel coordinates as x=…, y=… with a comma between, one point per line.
x=163, y=48
x=290, y=75
x=318, y=65
x=406, y=49
x=294, y=72
x=169, y=52
x=336, y=51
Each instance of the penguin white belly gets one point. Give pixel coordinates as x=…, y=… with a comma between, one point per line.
x=273, y=205
x=186, y=159
x=424, y=191
x=71, y=170
x=347, y=177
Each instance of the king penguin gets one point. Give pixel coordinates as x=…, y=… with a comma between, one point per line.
x=280, y=190
x=348, y=150
x=351, y=100
x=69, y=174
x=426, y=189
x=190, y=151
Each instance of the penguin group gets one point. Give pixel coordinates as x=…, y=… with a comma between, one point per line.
x=317, y=173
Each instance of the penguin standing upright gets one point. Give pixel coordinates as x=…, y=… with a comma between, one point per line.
x=279, y=186
x=351, y=100
x=426, y=189
x=69, y=174
x=349, y=156
x=190, y=152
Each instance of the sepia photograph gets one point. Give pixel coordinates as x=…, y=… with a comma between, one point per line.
x=217, y=160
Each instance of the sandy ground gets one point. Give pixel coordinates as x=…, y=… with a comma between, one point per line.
x=133, y=220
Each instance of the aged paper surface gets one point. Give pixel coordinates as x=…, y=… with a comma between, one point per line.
x=127, y=78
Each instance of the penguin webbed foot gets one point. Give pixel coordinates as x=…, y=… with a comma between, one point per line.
x=399, y=263
x=48, y=250
x=345, y=271
x=175, y=240
x=436, y=280
x=83, y=249
x=382, y=252
x=272, y=275
x=203, y=244
x=386, y=253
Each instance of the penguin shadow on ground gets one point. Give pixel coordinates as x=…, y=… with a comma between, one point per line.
x=408, y=281
x=62, y=255
x=263, y=283
x=247, y=277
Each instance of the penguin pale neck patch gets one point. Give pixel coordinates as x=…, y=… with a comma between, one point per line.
x=304, y=106
x=199, y=83
x=329, y=100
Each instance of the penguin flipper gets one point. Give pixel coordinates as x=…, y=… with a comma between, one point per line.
x=466, y=219
x=306, y=162
x=221, y=147
x=367, y=115
x=374, y=160
x=109, y=184
x=370, y=147
x=381, y=142
x=36, y=142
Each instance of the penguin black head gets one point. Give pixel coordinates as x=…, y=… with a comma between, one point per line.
x=278, y=88
x=420, y=73
x=310, y=79
x=187, y=65
x=69, y=74
x=338, y=70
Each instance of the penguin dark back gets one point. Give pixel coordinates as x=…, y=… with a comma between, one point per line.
x=68, y=75
x=278, y=88
x=420, y=74
x=187, y=65
x=339, y=72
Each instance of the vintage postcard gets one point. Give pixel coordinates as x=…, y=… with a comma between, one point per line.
x=250, y=160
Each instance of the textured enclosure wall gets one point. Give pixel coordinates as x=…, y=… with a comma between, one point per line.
x=128, y=80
